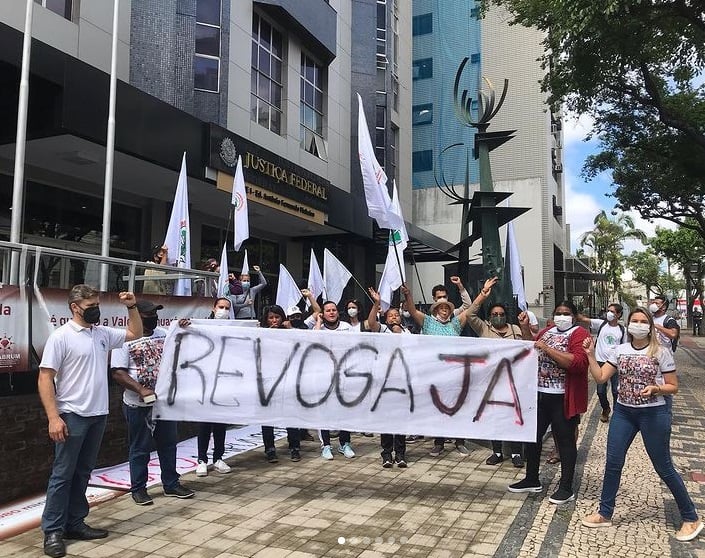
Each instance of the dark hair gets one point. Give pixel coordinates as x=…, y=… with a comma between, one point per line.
x=326, y=302
x=81, y=292
x=617, y=306
x=215, y=302
x=497, y=305
x=156, y=249
x=437, y=288
x=663, y=299
x=355, y=302
x=569, y=305
x=274, y=309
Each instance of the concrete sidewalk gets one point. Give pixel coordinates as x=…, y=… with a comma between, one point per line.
x=450, y=506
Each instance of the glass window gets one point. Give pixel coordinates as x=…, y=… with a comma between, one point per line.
x=312, y=103
x=61, y=7
x=208, y=11
x=266, y=88
x=422, y=114
x=422, y=24
x=475, y=58
x=422, y=161
x=208, y=40
x=423, y=68
x=205, y=73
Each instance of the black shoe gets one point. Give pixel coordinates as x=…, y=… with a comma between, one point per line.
x=306, y=436
x=525, y=485
x=295, y=455
x=141, y=497
x=85, y=533
x=517, y=461
x=413, y=439
x=401, y=462
x=561, y=496
x=179, y=491
x=368, y=434
x=387, y=461
x=494, y=459
x=271, y=456
x=54, y=545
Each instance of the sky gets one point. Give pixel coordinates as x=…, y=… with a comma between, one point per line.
x=585, y=199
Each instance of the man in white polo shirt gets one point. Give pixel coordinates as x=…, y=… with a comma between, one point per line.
x=73, y=387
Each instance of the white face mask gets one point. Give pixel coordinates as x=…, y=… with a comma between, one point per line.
x=610, y=316
x=406, y=313
x=653, y=308
x=352, y=312
x=221, y=314
x=563, y=322
x=638, y=331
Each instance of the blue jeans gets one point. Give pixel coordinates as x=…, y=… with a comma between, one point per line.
x=654, y=423
x=74, y=459
x=602, y=392
x=141, y=436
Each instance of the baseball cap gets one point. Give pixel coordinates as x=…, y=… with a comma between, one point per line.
x=292, y=311
x=147, y=306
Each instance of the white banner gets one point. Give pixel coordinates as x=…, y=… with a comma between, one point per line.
x=405, y=384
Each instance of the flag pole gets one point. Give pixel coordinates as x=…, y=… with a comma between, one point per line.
x=418, y=277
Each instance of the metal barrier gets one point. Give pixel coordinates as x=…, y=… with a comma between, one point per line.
x=55, y=268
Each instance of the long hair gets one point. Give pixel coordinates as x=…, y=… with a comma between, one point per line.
x=569, y=305
x=654, y=346
x=274, y=309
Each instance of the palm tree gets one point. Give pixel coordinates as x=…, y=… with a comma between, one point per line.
x=606, y=241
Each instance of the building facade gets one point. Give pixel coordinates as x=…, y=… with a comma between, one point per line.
x=529, y=165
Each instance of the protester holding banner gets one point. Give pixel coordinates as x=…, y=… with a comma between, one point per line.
x=647, y=373
x=441, y=321
x=73, y=388
x=274, y=317
x=135, y=366
x=329, y=320
x=498, y=328
x=220, y=311
x=562, y=397
x=244, y=304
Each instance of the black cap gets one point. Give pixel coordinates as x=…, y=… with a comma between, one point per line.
x=147, y=306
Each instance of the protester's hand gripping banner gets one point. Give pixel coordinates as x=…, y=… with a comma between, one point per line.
x=404, y=384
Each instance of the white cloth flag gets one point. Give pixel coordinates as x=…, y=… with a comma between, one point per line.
x=315, y=279
x=374, y=179
x=245, y=265
x=515, y=268
x=223, y=283
x=239, y=201
x=288, y=292
x=178, y=233
x=335, y=277
x=394, y=273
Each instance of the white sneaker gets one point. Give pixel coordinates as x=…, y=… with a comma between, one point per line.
x=221, y=466
x=326, y=453
x=346, y=450
x=202, y=469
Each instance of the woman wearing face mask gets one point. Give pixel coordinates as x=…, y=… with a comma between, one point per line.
x=353, y=313
x=244, y=304
x=274, y=317
x=646, y=373
x=220, y=311
x=562, y=397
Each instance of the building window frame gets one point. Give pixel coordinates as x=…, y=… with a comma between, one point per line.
x=422, y=114
x=208, y=57
x=266, y=78
x=422, y=68
x=422, y=24
x=313, y=86
x=422, y=161
x=62, y=8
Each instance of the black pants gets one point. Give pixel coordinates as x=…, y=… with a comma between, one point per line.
x=441, y=441
x=514, y=447
x=550, y=411
x=395, y=442
x=343, y=437
x=204, y=437
x=293, y=436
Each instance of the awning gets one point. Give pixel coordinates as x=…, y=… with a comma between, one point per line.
x=423, y=246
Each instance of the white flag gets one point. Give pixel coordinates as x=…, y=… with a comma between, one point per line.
x=379, y=205
x=396, y=209
x=288, y=292
x=315, y=279
x=178, y=233
x=223, y=283
x=245, y=265
x=335, y=277
x=394, y=274
x=515, y=268
x=239, y=201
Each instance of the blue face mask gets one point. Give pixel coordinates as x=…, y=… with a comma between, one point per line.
x=245, y=284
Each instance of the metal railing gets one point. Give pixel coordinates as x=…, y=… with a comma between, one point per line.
x=55, y=268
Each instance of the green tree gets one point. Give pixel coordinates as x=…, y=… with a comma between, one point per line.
x=632, y=65
x=645, y=267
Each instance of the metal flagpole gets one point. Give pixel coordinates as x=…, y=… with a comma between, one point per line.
x=20, y=144
x=109, y=152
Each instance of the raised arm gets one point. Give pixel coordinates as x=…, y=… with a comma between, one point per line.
x=372, y=323
x=134, y=323
x=411, y=307
x=464, y=295
x=315, y=308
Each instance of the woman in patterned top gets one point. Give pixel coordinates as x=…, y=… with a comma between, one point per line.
x=646, y=373
x=562, y=397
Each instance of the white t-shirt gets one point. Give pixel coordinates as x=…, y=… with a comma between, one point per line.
x=608, y=338
x=79, y=355
x=384, y=328
x=342, y=326
x=662, y=339
x=637, y=370
x=141, y=359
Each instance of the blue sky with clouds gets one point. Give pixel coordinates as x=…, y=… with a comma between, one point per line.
x=584, y=199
